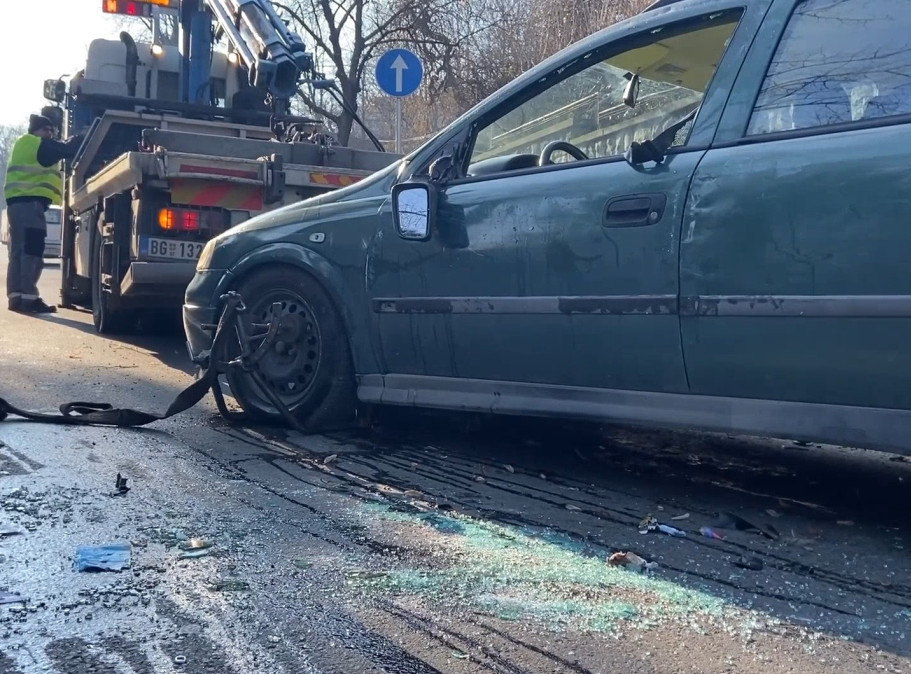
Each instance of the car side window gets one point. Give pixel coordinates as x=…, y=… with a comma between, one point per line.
x=585, y=103
x=838, y=61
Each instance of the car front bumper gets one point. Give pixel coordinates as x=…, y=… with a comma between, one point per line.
x=201, y=311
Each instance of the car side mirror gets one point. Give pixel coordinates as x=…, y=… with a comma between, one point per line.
x=413, y=208
x=55, y=90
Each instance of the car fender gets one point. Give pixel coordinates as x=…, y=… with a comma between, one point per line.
x=327, y=275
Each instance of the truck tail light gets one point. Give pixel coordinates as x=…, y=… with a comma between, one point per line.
x=178, y=220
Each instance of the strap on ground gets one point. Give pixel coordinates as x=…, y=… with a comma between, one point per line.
x=230, y=325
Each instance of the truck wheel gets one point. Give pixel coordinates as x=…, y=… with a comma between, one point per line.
x=108, y=321
x=309, y=367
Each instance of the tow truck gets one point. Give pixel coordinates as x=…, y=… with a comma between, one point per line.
x=181, y=142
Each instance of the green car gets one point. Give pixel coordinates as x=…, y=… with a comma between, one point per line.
x=699, y=217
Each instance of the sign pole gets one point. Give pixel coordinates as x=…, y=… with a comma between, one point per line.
x=398, y=126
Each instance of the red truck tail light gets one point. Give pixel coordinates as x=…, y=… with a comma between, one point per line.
x=178, y=220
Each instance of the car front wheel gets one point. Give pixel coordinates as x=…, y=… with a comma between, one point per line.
x=308, y=366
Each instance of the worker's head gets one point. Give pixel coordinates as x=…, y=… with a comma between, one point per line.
x=40, y=126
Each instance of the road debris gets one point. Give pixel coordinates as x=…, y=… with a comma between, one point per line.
x=459, y=654
x=7, y=533
x=749, y=562
x=509, y=468
x=479, y=478
x=195, y=547
x=570, y=506
x=180, y=659
x=732, y=521
x=121, y=486
x=330, y=459
x=773, y=513
x=11, y=598
x=678, y=518
x=708, y=532
x=631, y=560
x=112, y=557
x=845, y=523
x=650, y=524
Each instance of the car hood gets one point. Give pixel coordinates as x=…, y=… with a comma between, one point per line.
x=309, y=209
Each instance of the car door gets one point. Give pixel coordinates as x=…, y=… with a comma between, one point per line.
x=561, y=268
x=794, y=257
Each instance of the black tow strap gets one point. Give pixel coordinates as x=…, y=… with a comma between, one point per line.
x=103, y=414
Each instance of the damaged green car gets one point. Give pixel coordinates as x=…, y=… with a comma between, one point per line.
x=695, y=218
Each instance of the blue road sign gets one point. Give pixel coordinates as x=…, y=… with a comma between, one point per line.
x=399, y=72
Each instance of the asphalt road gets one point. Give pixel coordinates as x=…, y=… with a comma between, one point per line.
x=427, y=543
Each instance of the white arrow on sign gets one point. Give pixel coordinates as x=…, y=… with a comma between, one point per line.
x=398, y=66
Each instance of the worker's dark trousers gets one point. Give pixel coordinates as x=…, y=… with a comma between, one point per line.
x=27, y=231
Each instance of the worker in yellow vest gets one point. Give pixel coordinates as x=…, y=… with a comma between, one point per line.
x=33, y=182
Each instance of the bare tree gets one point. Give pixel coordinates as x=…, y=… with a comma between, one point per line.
x=497, y=41
x=347, y=35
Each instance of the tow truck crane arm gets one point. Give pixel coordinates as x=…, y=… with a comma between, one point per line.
x=274, y=56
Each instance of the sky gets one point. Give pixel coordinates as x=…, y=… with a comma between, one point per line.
x=46, y=44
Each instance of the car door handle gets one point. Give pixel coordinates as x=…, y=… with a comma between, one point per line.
x=634, y=210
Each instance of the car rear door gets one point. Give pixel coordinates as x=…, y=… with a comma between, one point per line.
x=794, y=255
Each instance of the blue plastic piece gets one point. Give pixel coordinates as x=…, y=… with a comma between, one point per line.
x=113, y=557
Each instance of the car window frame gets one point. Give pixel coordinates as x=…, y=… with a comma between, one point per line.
x=705, y=126
x=735, y=120
x=604, y=51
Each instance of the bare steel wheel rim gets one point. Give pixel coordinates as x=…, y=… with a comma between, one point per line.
x=292, y=362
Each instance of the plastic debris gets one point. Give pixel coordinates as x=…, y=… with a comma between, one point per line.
x=509, y=468
x=11, y=598
x=330, y=459
x=6, y=533
x=751, y=563
x=730, y=520
x=631, y=560
x=121, y=485
x=459, y=654
x=708, y=532
x=195, y=547
x=113, y=557
x=684, y=516
x=570, y=506
x=479, y=478
x=194, y=554
x=650, y=524
x=180, y=659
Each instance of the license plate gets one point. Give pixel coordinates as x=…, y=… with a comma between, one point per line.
x=169, y=248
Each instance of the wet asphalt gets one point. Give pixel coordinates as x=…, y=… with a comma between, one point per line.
x=426, y=542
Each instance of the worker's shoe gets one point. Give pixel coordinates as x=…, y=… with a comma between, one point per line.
x=37, y=306
x=15, y=304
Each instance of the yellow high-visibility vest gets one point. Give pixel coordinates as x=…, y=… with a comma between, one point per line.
x=25, y=177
